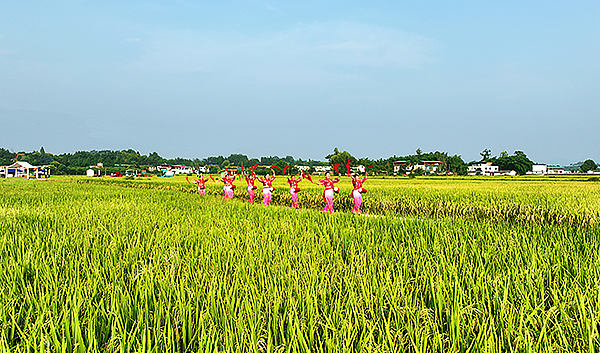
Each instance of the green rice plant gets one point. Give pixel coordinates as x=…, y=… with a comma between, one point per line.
x=528, y=200
x=92, y=267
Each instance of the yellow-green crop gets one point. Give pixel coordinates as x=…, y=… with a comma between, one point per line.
x=90, y=267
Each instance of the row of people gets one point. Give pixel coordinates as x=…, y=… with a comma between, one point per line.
x=267, y=182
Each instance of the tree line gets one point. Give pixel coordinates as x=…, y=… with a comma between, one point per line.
x=78, y=162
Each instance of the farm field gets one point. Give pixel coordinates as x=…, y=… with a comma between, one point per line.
x=441, y=264
x=572, y=200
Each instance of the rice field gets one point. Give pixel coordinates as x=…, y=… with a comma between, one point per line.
x=113, y=265
x=567, y=200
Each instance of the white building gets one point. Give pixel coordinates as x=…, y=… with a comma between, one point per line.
x=23, y=170
x=541, y=169
x=426, y=166
x=203, y=169
x=557, y=170
x=303, y=167
x=358, y=169
x=398, y=165
x=175, y=169
x=483, y=168
x=322, y=168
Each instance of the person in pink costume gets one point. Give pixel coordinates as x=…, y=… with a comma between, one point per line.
x=294, y=189
x=328, y=193
x=357, y=192
x=201, y=183
x=250, y=179
x=228, y=187
x=267, y=188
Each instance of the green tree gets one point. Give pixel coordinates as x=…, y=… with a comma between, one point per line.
x=456, y=165
x=587, y=166
x=238, y=159
x=6, y=156
x=517, y=162
x=342, y=158
x=485, y=155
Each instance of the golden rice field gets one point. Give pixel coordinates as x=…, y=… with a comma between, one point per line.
x=437, y=265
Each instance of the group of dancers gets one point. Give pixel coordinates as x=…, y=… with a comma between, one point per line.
x=267, y=189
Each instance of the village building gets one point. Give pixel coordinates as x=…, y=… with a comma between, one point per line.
x=557, y=170
x=506, y=173
x=24, y=170
x=202, y=169
x=358, y=169
x=426, y=166
x=174, y=169
x=483, y=169
x=322, y=168
x=540, y=169
x=543, y=169
x=399, y=164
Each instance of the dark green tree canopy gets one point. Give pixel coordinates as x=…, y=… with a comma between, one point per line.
x=587, y=166
x=342, y=158
x=517, y=162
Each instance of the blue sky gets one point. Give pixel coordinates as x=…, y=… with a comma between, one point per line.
x=376, y=78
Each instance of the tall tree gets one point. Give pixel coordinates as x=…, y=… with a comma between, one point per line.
x=485, y=155
x=342, y=158
x=587, y=166
x=517, y=162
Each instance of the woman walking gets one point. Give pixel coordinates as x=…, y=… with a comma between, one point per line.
x=328, y=193
x=357, y=192
x=294, y=189
x=267, y=188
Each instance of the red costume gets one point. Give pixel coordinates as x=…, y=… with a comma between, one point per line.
x=357, y=183
x=250, y=181
x=200, y=183
x=328, y=194
x=267, y=189
x=294, y=190
x=356, y=193
x=228, y=187
x=328, y=182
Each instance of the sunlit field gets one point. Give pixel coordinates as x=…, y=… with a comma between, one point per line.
x=573, y=200
x=435, y=264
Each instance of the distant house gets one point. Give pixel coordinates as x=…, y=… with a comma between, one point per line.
x=540, y=169
x=543, y=169
x=358, y=169
x=303, y=167
x=483, y=169
x=507, y=173
x=174, y=169
x=399, y=164
x=426, y=166
x=557, y=170
x=23, y=170
x=322, y=168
